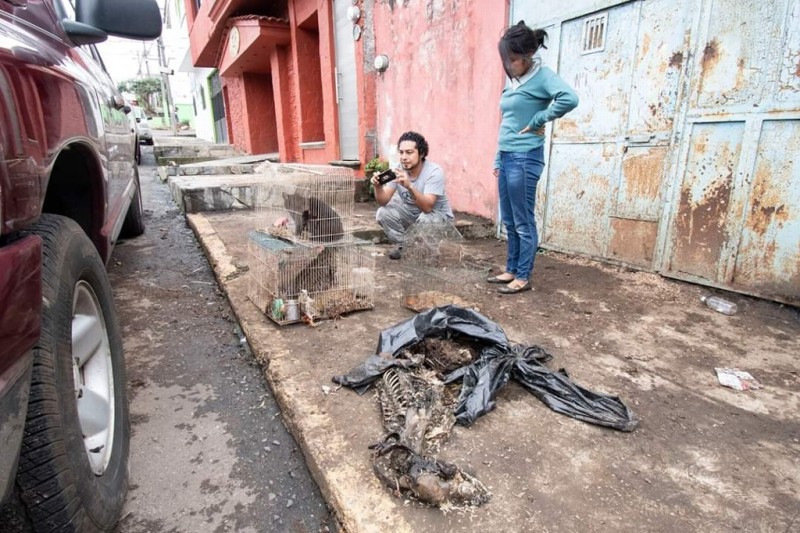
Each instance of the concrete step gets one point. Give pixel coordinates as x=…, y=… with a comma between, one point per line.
x=213, y=192
x=195, y=194
x=229, y=165
x=185, y=153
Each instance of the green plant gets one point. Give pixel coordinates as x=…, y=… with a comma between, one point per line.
x=376, y=164
x=142, y=88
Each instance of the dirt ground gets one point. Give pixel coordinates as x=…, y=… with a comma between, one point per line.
x=704, y=457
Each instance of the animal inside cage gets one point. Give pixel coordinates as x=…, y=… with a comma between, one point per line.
x=306, y=203
x=437, y=269
x=293, y=281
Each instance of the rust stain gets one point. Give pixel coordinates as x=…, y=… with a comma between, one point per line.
x=633, y=241
x=740, y=79
x=566, y=126
x=701, y=228
x=645, y=45
x=767, y=207
x=710, y=55
x=643, y=174
x=676, y=60
x=797, y=71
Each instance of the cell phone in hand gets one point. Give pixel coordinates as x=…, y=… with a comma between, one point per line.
x=386, y=176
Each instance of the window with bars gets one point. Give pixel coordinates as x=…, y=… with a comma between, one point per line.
x=594, y=33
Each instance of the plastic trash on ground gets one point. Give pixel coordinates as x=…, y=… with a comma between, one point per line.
x=737, y=379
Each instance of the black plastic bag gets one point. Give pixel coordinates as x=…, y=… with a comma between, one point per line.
x=499, y=361
x=440, y=322
x=557, y=391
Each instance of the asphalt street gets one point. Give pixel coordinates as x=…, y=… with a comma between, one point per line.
x=209, y=451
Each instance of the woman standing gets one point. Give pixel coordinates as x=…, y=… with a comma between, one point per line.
x=533, y=96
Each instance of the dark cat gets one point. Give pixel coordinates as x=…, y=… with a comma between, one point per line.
x=312, y=214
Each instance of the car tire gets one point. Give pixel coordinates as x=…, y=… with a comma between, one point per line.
x=133, y=226
x=137, y=156
x=67, y=480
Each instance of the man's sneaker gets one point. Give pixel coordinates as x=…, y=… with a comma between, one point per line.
x=396, y=253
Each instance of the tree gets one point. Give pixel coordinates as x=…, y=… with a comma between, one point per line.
x=143, y=88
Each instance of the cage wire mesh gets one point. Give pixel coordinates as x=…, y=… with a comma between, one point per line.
x=437, y=269
x=305, y=203
x=305, y=263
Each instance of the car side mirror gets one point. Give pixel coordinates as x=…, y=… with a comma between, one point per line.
x=132, y=19
x=82, y=34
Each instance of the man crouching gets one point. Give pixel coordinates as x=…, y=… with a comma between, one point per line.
x=420, y=192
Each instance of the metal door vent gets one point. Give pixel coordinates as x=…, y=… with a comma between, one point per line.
x=594, y=34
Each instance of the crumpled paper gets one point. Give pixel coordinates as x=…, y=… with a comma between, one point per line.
x=737, y=379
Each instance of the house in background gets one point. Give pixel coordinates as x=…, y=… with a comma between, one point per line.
x=680, y=159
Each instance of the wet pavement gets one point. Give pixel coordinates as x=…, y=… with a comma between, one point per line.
x=209, y=451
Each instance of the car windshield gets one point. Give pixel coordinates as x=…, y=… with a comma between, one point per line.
x=138, y=112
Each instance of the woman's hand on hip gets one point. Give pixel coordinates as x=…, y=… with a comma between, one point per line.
x=527, y=129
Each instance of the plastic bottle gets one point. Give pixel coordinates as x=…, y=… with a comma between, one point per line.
x=720, y=305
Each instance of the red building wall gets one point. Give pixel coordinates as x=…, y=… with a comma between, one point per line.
x=444, y=81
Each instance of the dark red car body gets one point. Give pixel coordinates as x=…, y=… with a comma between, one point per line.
x=65, y=148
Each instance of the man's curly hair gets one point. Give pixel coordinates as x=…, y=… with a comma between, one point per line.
x=422, y=144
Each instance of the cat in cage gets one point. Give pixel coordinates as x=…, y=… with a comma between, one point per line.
x=310, y=214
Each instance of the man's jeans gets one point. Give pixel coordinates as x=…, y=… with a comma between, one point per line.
x=396, y=217
x=519, y=175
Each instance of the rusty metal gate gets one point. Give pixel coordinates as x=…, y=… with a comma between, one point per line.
x=682, y=157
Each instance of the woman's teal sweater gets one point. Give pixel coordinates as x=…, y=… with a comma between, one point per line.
x=542, y=98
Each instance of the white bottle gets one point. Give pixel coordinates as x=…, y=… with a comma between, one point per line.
x=720, y=305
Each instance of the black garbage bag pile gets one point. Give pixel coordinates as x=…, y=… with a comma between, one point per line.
x=489, y=360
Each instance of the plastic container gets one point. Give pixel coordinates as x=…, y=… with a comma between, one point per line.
x=292, y=310
x=721, y=305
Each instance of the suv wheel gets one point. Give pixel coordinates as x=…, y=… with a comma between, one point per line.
x=73, y=470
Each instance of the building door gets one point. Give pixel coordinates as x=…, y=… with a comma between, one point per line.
x=603, y=191
x=681, y=157
x=218, y=109
x=346, y=92
x=736, y=205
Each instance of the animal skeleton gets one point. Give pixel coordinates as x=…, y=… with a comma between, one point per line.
x=417, y=412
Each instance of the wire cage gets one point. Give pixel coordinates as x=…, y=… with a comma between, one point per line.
x=437, y=269
x=306, y=203
x=291, y=282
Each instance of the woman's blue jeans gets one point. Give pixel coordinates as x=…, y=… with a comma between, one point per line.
x=519, y=175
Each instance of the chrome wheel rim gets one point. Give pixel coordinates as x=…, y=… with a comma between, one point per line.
x=93, y=374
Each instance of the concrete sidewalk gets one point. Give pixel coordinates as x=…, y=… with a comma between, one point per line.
x=704, y=458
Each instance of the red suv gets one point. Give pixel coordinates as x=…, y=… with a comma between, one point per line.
x=69, y=188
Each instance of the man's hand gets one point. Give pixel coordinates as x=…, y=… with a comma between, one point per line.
x=496, y=173
x=402, y=178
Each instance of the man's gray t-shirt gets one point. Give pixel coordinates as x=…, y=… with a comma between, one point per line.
x=429, y=181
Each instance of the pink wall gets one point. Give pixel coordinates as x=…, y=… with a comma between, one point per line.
x=444, y=81
x=235, y=112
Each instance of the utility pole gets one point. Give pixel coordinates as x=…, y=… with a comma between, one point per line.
x=165, y=71
x=166, y=90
